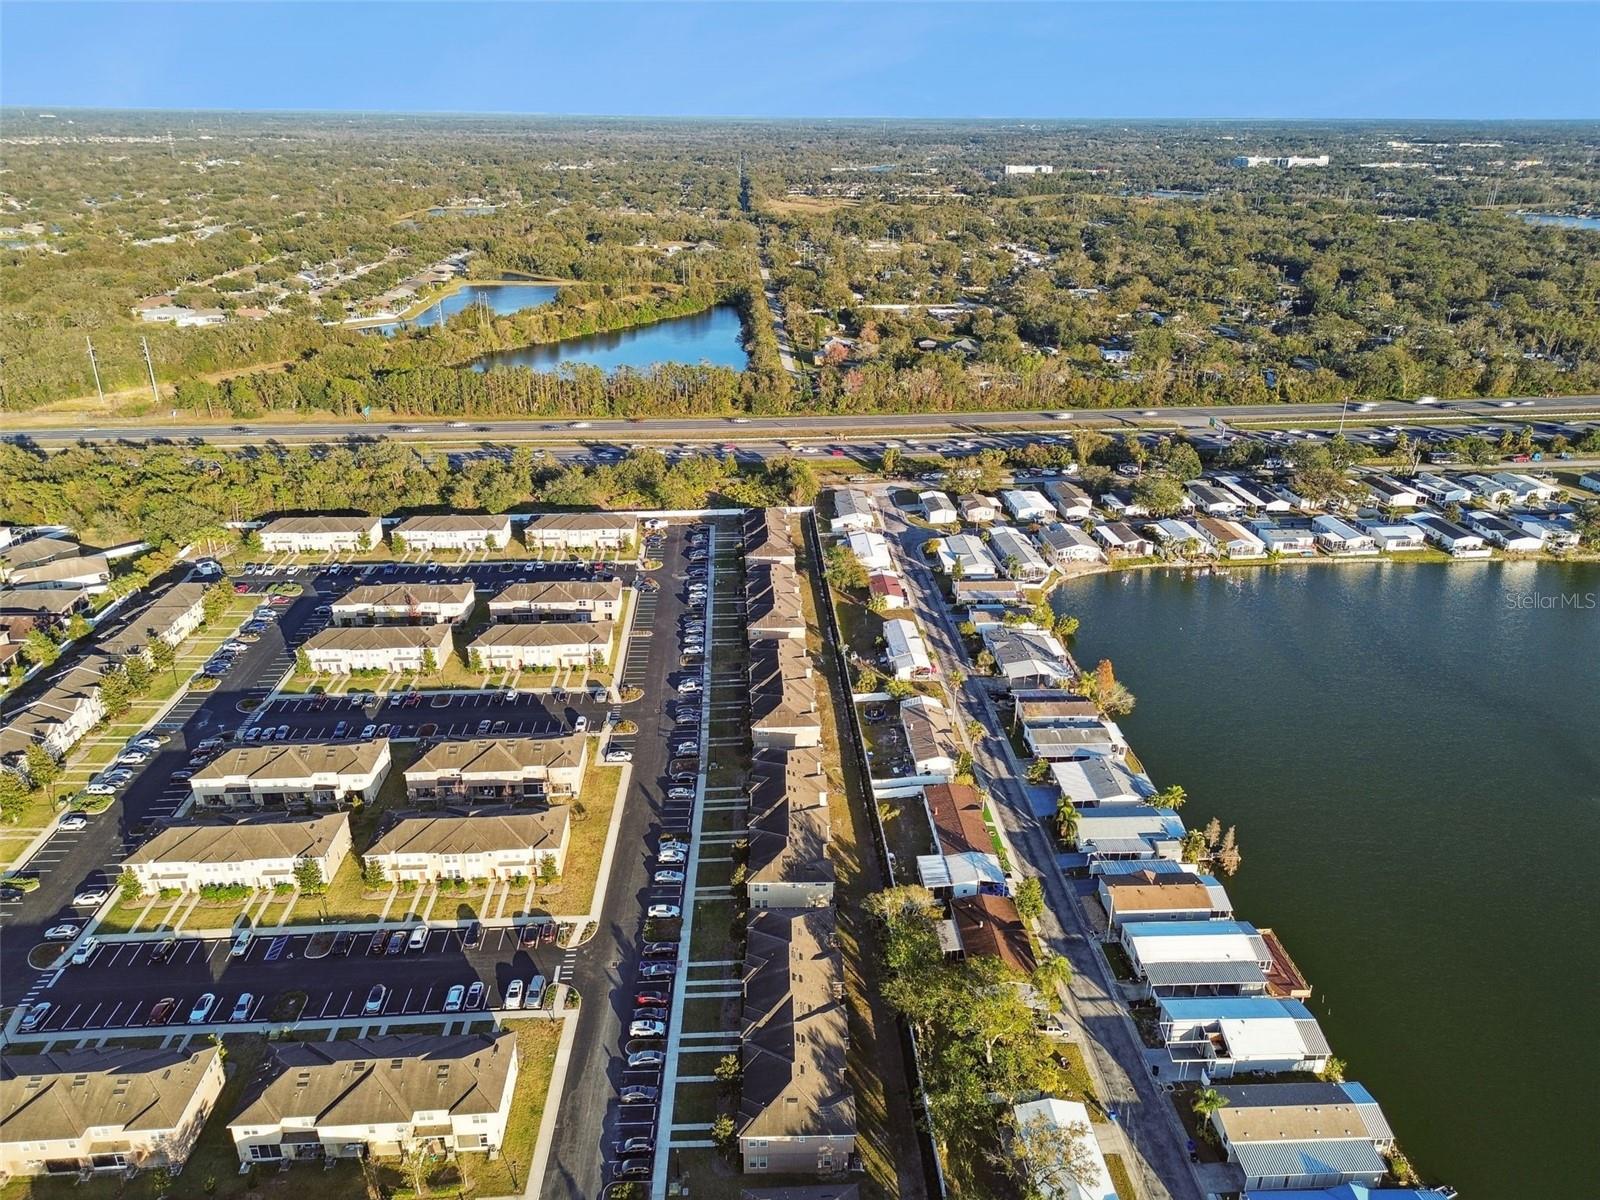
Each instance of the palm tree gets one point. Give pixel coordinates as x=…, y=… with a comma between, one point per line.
x=1208, y=1102
x=1067, y=821
x=1051, y=975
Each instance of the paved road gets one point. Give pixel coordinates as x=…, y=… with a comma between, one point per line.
x=1160, y=1164
x=590, y=1123
x=719, y=430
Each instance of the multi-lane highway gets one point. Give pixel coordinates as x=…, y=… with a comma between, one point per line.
x=716, y=431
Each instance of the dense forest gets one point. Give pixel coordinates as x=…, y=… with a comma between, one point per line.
x=1144, y=268
x=171, y=495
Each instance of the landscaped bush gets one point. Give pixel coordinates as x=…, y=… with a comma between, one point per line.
x=224, y=892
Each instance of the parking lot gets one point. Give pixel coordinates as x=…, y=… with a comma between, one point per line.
x=124, y=982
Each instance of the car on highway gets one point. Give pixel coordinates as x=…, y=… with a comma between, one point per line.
x=641, y=1060
x=647, y=1029
x=73, y=823
x=36, y=1017
x=475, y=996
x=454, y=997
x=85, y=951
x=668, y=877
x=241, y=1007
x=61, y=933
x=513, y=996
x=663, y=912
x=201, y=1011
x=240, y=947
x=91, y=897
x=636, y=1093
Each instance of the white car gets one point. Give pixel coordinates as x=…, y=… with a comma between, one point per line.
x=100, y=789
x=641, y=1059
x=619, y=756
x=73, y=822
x=688, y=687
x=670, y=856
x=202, y=1009
x=92, y=897
x=680, y=793
x=61, y=933
x=669, y=877
x=85, y=951
x=514, y=994
x=241, y=1007
x=663, y=912
x=133, y=758
x=647, y=1029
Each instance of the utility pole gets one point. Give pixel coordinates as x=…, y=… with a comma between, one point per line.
x=95, y=367
x=150, y=366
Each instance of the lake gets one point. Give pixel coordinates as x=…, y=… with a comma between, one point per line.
x=714, y=337
x=499, y=298
x=1563, y=219
x=1403, y=749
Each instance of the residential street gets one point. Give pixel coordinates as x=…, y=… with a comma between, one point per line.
x=1158, y=1162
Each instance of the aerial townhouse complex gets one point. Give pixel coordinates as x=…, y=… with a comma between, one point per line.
x=406, y=604
x=797, y=1112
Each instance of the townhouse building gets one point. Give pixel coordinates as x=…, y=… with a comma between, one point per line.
x=453, y=531
x=107, y=1110
x=340, y=650
x=490, y=846
x=280, y=774
x=788, y=830
x=503, y=770
x=257, y=852
x=558, y=600
x=580, y=531
x=320, y=534
x=382, y=1097
x=542, y=646
x=405, y=604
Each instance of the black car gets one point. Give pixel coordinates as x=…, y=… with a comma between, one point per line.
x=473, y=936
x=650, y=1014
x=343, y=943
x=164, y=951
x=660, y=950
x=378, y=942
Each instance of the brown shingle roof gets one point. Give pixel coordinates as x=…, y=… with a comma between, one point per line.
x=242, y=841
x=61, y=1096
x=990, y=927
x=957, y=810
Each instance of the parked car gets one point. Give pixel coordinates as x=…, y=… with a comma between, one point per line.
x=638, y=1167
x=202, y=1009
x=475, y=996
x=418, y=939
x=619, y=756
x=36, y=1017
x=668, y=877
x=100, y=789
x=535, y=991
x=650, y=1014
x=91, y=897
x=645, y=1059
x=680, y=793
x=651, y=1000
x=660, y=950
x=73, y=823
x=473, y=937
x=164, y=951
x=397, y=941
x=240, y=947
x=634, y=1093
x=343, y=943
x=670, y=856
x=513, y=996
x=664, y=912
x=647, y=1029
x=376, y=998
x=656, y=970
x=85, y=951
x=454, y=997
x=161, y=1012
x=241, y=1008
x=61, y=933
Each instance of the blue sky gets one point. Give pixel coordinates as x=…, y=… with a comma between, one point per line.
x=1276, y=59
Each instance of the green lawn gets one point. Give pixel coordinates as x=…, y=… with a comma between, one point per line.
x=703, y=1015
x=591, y=822
x=697, y=1103
x=712, y=938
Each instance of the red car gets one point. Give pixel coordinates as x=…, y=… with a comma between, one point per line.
x=651, y=1000
x=547, y=934
x=241, y=589
x=836, y=452
x=279, y=601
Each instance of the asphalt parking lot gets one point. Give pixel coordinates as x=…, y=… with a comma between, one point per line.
x=122, y=983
